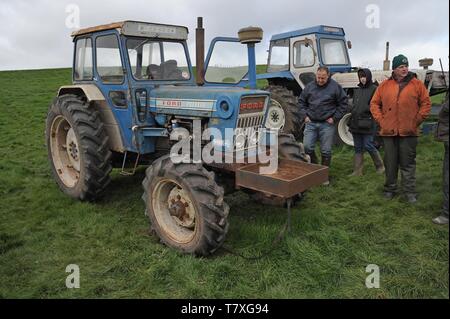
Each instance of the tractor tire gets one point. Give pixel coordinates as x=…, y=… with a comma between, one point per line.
x=185, y=206
x=343, y=134
x=77, y=148
x=288, y=148
x=284, y=112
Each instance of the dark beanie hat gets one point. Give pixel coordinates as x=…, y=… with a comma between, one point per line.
x=399, y=60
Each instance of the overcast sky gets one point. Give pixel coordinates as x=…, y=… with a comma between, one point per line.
x=34, y=33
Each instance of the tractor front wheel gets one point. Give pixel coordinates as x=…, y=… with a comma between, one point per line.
x=284, y=112
x=185, y=206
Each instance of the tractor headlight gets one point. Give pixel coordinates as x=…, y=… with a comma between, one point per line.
x=224, y=108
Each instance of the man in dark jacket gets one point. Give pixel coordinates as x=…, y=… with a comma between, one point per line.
x=442, y=135
x=322, y=103
x=362, y=125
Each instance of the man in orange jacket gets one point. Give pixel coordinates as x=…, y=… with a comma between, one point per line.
x=399, y=105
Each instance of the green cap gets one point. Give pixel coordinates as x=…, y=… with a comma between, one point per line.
x=399, y=60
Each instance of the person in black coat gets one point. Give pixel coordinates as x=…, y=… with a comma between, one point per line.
x=362, y=125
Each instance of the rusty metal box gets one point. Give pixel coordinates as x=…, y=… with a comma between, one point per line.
x=291, y=178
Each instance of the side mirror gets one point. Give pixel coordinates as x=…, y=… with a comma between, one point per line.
x=141, y=104
x=349, y=44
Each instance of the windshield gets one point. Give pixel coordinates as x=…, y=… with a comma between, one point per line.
x=157, y=60
x=333, y=51
x=303, y=54
x=279, y=56
x=228, y=63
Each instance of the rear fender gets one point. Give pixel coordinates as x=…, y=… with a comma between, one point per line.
x=96, y=99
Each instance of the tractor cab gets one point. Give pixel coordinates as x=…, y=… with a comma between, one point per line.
x=121, y=64
x=299, y=53
x=146, y=51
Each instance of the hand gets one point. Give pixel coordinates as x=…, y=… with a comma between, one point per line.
x=419, y=120
x=330, y=121
x=307, y=120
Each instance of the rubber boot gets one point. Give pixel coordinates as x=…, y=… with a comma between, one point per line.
x=358, y=163
x=313, y=157
x=326, y=161
x=378, y=162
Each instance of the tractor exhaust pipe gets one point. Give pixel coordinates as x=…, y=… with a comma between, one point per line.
x=200, y=51
x=386, y=62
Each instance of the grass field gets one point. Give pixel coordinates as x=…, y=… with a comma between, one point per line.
x=337, y=231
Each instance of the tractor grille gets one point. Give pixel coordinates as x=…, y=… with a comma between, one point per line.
x=251, y=118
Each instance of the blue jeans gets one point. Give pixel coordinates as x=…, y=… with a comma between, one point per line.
x=364, y=142
x=322, y=131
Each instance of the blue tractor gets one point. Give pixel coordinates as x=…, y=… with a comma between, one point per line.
x=133, y=86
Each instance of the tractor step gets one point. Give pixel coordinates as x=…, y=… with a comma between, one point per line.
x=128, y=173
x=290, y=179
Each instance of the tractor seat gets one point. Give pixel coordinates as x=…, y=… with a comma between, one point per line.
x=154, y=72
x=171, y=71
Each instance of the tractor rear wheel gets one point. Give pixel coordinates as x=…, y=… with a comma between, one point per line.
x=284, y=112
x=185, y=206
x=77, y=148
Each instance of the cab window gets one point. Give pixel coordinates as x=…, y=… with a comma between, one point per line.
x=279, y=56
x=109, y=64
x=303, y=54
x=334, y=51
x=83, y=70
x=157, y=60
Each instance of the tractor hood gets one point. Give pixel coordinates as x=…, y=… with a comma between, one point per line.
x=199, y=101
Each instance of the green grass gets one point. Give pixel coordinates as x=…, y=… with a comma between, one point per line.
x=336, y=231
